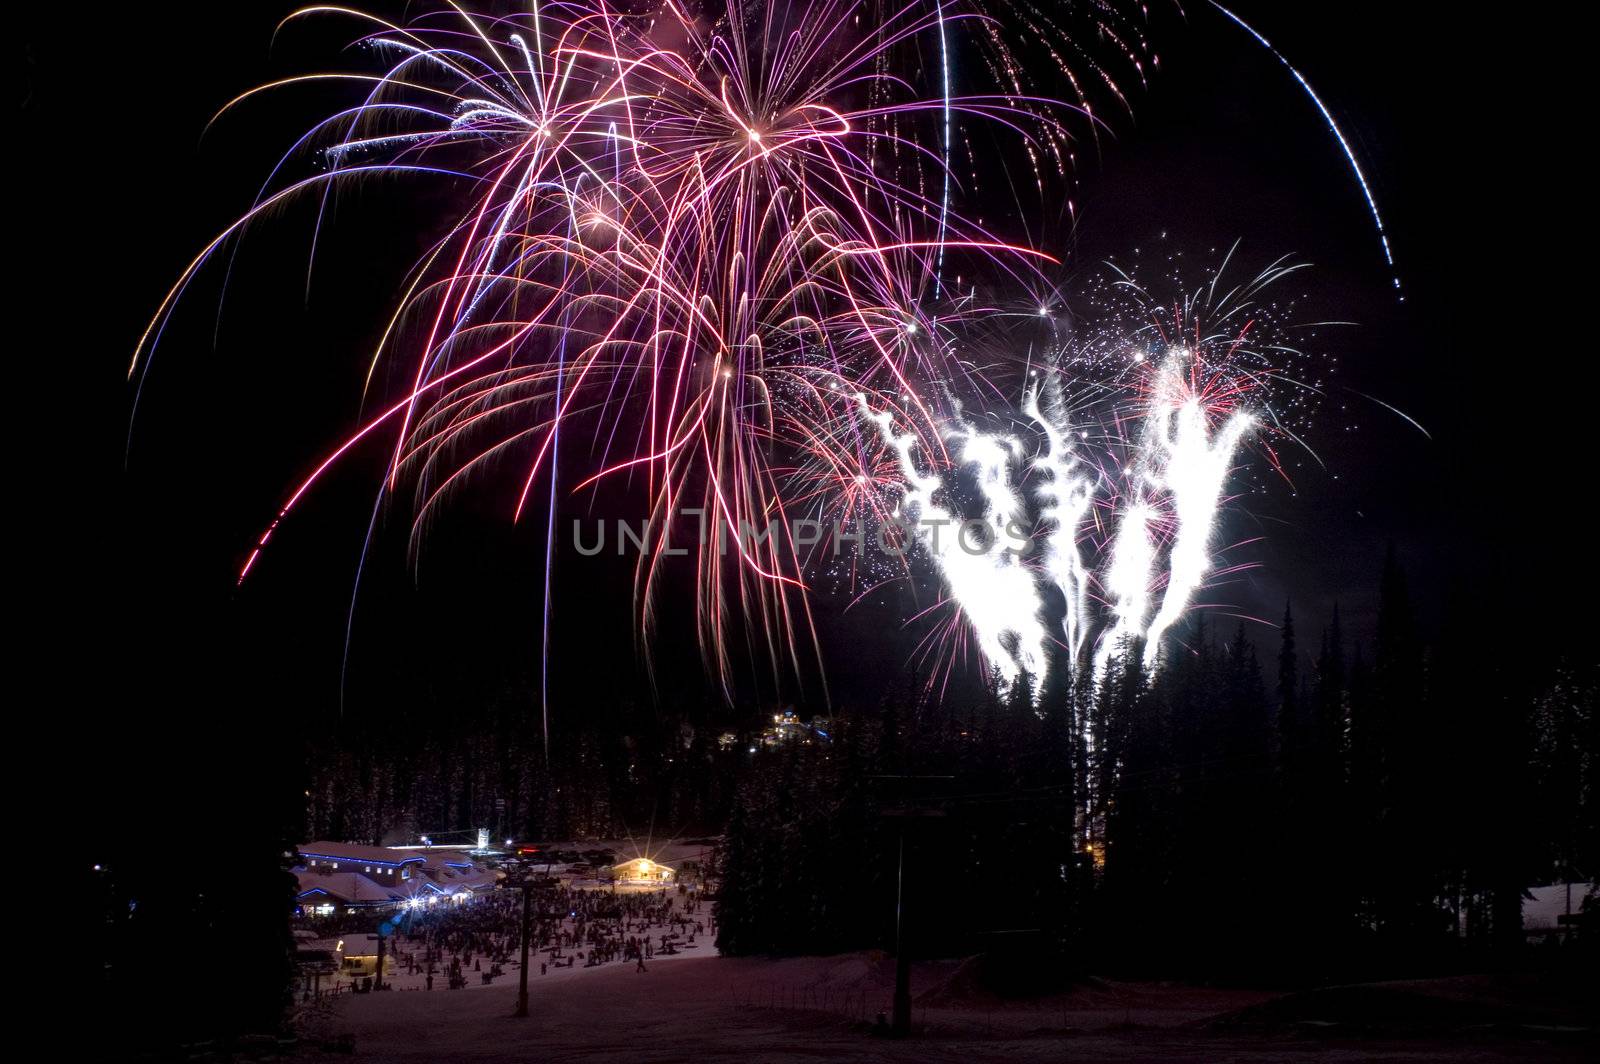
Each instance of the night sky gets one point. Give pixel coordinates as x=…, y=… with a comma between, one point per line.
x=156, y=655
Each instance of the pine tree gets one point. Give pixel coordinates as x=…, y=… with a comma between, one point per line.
x=737, y=903
x=1330, y=721
x=1330, y=842
x=1409, y=889
x=1254, y=856
x=1137, y=827
x=1291, y=739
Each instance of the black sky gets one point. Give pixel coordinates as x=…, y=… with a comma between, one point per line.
x=1460, y=122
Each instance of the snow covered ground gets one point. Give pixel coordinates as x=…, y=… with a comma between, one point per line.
x=396, y=976
x=809, y=1010
x=697, y=1006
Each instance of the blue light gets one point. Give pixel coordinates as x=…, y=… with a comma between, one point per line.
x=361, y=860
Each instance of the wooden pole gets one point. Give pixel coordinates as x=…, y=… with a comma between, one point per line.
x=522, y=987
x=901, y=1024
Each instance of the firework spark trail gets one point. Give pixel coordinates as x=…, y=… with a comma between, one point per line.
x=997, y=595
x=1338, y=134
x=1127, y=579
x=1066, y=495
x=1194, y=469
x=1179, y=476
x=1009, y=599
x=944, y=201
x=1227, y=373
x=1179, y=472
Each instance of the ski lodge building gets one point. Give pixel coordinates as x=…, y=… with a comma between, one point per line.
x=642, y=872
x=338, y=876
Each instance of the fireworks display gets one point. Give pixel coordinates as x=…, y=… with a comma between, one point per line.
x=721, y=256
x=1108, y=487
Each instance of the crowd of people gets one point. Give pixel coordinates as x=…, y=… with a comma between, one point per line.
x=598, y=928
x=569, y=927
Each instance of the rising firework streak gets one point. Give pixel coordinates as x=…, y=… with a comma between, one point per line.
x=1338, y=134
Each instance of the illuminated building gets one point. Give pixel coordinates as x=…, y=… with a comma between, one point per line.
x=642, y=871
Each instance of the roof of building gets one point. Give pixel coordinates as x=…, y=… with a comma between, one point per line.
x=643, y=864
x=355, y=852
x=464, y=877
x=445, y=859
x=348, y=887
